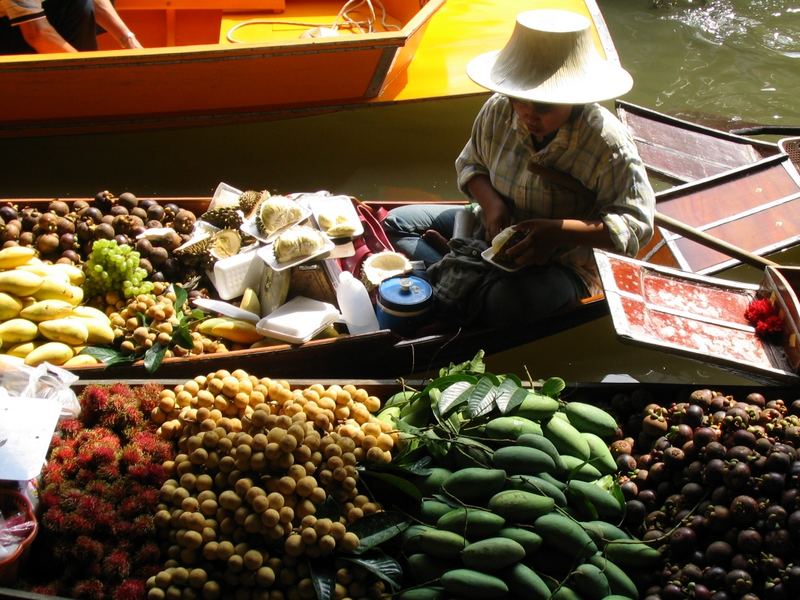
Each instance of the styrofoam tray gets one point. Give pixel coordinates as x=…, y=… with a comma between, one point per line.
x=233, y=275
x=249, y=226
x=226, y=309
x=268, y=255
x=335, y=205
x=488, y=256
x=298, y=320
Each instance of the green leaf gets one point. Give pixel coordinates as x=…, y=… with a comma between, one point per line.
x=481, y=400
x=505, y=392
x=181, y=296
x=182, y=336
x=553, y=387
x=475, y=366
x=420, y=467
x=329, y=509
x=197, y=314
x=402, y=484
x=108, y=356
x=375, y=528
x=381, y=565
x=516, y=399
x=154, y=356
x=453, y=396
x=323, y=577
x=142, y=318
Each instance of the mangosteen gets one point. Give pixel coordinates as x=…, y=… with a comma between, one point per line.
x=91, y=213
x=737, y=476
x=66, y=241
x=26, y=238
x=104, y=201
x=146, y=265
x=144, y=247
x=775, y=591
x=674, y=457
x=108, y=218
x=714, y=450
x=749, y=541
x=128, y=200
x=691, y=573
x=719, y=553
x=738, y=582
x=8, y=213
x=103, y=231
x=718, y=518
x=772, y=484
x=779, y=542
x=155, y=212
x=672, y=591
x=47, y=243
x=629, y=490
x=58, y=207
x=635, y=512
x=71, y=256
x=173, y=240
x=743, y=437
x=153, y=224
x=701, y=592
x=171, y=210
x=139, y=212
x=692, y=492
x=118, y=210
x=624, y=446
x=158, y=256
x=744, y=510
x=682, y=542
x=701, y=397
x=794, y=407
x=626, y=463
x=184, y=221
x=121, y=239
x=65, y=225
x=47, y=222
x=755, y=398
x=776, y=516
x=647, y=497
x=28, y=218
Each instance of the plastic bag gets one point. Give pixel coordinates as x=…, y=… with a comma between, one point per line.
x=42, y=381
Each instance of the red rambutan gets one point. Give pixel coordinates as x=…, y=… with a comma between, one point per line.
x=130, y=589
x=91, y=589
x=117, y=565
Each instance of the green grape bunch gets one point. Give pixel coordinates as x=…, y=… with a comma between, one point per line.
x=112, y=267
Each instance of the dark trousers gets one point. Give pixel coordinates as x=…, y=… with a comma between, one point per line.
x=72, y=19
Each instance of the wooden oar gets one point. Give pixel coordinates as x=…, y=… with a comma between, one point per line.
x=767, y=130
x=701, y=237
x=715, y=243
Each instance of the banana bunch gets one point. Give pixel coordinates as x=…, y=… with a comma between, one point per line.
x=41, y=319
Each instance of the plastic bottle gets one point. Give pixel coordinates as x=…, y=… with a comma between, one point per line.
x=355, y=305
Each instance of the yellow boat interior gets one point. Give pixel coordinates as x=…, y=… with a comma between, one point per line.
x=168, y=23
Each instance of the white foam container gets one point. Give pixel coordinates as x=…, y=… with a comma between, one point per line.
x=233, y=275
x=298, y=320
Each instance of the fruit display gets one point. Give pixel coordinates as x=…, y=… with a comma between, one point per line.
x=466, y=485
x=712, y=481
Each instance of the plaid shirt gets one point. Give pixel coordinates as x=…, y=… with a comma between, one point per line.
x=594, y=148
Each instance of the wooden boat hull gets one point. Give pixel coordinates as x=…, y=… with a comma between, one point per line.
x=679, y=151
x=698, y=316
x=190, y=75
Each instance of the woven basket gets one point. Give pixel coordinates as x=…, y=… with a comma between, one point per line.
x=11, y=502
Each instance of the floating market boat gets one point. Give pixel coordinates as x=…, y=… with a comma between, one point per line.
x=384, y=353
x=209, y=62
x=706, y=317
x=679, y=151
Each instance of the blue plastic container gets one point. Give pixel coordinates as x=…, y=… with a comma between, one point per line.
x=404, y=303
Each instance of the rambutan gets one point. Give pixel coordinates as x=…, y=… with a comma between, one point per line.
x=90, y=589
x=87, y=549
x=130, y=589
x=758, y=309
x=147, y=396
x=117, y=565
x=148, y=553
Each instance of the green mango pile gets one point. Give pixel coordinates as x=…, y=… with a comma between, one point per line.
x=523, y=504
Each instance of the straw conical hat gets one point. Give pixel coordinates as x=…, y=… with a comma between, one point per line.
x=551, y=57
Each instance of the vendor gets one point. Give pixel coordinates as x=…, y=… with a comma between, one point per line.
x=28, y=26
x=545, y=157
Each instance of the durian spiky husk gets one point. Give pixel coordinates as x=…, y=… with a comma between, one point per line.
x=195, y=247
x=250, y=199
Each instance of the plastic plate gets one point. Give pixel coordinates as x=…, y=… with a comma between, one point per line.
x=488, y=256
x=268, y=256
x=337, y=206
x=227, y=310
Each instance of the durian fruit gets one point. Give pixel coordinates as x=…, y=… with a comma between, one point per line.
x=382, y=265
x=296, y=243
x=275, y=213
x=250, y=199
x=228, y=217
x=250, y=301
x=195, y=248
x=207, y=250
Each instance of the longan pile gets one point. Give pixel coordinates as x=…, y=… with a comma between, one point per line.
x=256, y=460
x=162, y=318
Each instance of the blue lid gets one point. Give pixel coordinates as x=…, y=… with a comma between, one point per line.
x=405, y=291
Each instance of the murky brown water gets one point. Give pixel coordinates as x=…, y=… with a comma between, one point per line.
x=726, y=62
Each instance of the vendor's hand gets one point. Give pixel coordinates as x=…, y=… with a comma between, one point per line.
x=496, y=217
x=544, y=236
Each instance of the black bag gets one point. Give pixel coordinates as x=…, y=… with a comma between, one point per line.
x=459, y=280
